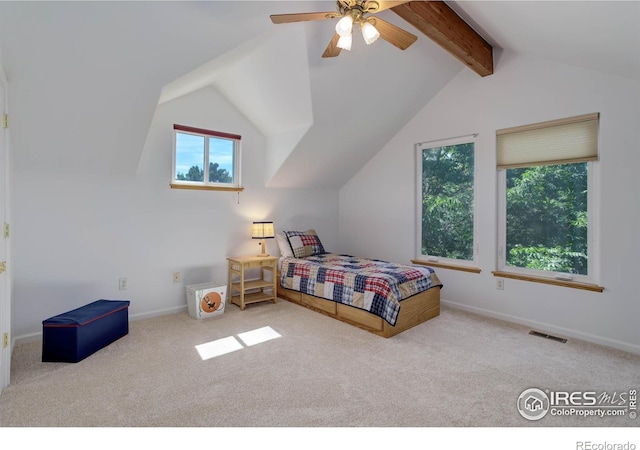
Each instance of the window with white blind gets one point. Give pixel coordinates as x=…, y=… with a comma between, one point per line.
x=205, y=159
x=547, y=180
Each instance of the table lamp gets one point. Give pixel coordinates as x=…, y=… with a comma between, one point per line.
x=262, y=230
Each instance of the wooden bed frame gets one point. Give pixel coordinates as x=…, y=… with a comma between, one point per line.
x=414, y=310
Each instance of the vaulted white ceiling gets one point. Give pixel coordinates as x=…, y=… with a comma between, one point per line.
x=85, y=77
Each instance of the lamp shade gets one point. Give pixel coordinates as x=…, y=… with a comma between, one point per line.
x=344, y=26
x=262, y=230
x=369, y=33
x=345, y=42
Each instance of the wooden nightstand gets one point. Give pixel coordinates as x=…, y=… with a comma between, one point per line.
x=243, y=292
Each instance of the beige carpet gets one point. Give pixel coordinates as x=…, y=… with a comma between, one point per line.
x=457, y=370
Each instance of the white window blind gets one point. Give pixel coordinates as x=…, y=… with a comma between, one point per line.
x=574, y=139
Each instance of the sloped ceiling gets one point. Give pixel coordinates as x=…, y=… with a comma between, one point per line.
x=598, y=35
x=269, y=86
x=86, y=77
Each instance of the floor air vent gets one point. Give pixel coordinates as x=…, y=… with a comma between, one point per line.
x=547, y=336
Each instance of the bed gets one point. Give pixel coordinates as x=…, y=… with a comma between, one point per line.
x=381, y=297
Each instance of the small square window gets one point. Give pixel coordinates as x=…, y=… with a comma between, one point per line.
x=205, y=159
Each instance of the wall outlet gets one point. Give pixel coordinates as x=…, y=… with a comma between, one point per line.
x=499, y=283
x=122, y=284
x=177, y=277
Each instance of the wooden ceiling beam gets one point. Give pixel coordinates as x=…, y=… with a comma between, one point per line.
x=440, y=23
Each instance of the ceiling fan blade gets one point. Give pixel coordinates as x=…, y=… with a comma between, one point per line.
x=374, y=6
x=303, y=17
x=392, y=34
x=332, y=49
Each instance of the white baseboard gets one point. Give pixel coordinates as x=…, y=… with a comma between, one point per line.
x=146, y=315
x=159, y=312
x=548, y=328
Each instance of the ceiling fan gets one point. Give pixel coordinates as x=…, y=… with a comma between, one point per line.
x=355, y=12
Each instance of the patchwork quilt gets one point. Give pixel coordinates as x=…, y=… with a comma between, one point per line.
x=370, y=284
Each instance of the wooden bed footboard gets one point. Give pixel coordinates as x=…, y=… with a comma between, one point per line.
x=413, y=311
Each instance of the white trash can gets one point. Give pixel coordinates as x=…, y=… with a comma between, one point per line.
x=206, y=300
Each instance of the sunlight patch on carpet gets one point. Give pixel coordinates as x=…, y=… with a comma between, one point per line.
x=231, y=344
x=218, y=347
x=259, y=336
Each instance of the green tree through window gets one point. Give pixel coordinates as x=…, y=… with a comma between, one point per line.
x=448, y=201
x=194, y=174
x=547, y=218
x=219, y=175
x=216, y=174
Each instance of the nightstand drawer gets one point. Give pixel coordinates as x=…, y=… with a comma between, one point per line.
x=259, y=264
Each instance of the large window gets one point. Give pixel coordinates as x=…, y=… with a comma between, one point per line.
x=205, y=159
x=547, y=179
x=446, y=201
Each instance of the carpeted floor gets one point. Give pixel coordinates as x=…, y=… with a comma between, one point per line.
x=457, y=370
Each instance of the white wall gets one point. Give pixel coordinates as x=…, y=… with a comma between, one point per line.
x=377, y=213
x=78, y=232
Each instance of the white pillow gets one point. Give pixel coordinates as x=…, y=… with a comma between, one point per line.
x=283, y=245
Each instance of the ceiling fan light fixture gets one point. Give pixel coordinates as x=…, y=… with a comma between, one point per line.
x=344, y=26
x=345, y=42
x=355, y=12
x=369, y=33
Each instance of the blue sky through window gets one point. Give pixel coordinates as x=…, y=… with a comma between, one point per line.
x=221, y=152
x=190, y=150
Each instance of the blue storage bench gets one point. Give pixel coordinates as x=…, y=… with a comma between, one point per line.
x=76, y=334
